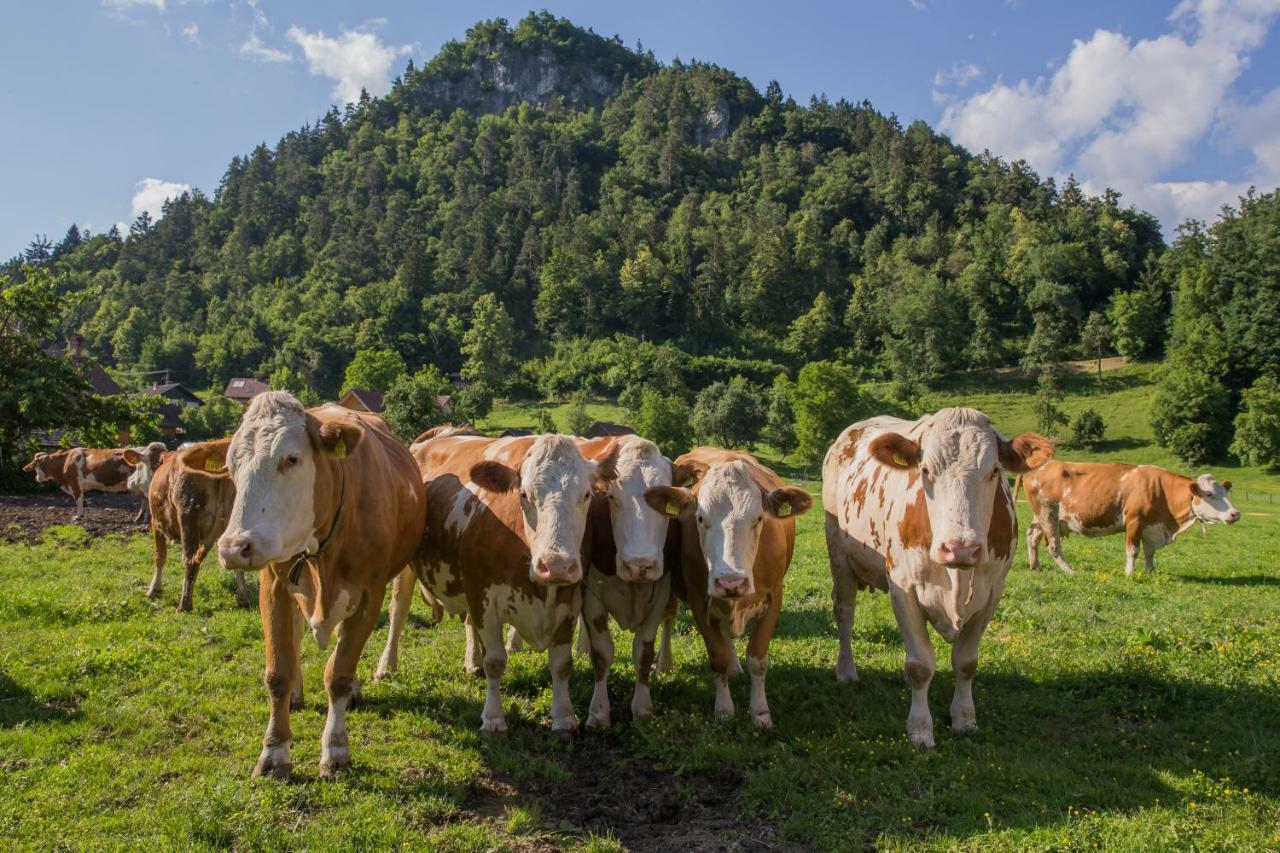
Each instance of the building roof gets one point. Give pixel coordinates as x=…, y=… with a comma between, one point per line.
x=603, y=428
x=245, y=388
x=172, y=390
x=170, y=417
x=363, y=400
x=98, y=378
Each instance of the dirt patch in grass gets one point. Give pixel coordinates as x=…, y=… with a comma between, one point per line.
x=646, y=808
x=23, y=518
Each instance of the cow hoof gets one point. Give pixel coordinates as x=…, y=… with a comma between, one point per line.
x=723, y=715
x=332, y=766
x=846, y=674
x=597, y=722
x=565, y=725
x=382, y=675
x=243, y=603
x=493, y=727
x=184, y=606
x=640, y=713
x=153, y=592
x=762, y=721
x=268, y=768
x=295, y=702
x=473, y=671
x=921, y=739
x=963, y=724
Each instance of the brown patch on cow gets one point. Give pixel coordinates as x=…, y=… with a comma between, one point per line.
x=1003, y=527
x=915, y=530
x=860, y=495
x=850, y=450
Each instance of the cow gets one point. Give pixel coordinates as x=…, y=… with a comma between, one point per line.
x=81, y=470
x=190, y=499
x=922, y=510
x=732, y=545
x=330, y=507
x=145, y=461
x=625, y=577
x=1151, y=505
x=505, y=525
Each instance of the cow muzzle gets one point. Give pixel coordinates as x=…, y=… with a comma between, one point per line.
x=557, y=570
x=237, y=553
x=639, y=571
x=1233, y=516
x=730, y=585
x=955, y=552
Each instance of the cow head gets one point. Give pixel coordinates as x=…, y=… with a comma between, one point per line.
x=37, y=465
x=960, y=459
x=638, y=531
x=1209, y=501
x=729, y=510
x=273, y=459
x=555, y=484
x=145, y=460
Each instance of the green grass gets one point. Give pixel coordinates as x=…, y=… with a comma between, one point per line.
x=1116, y=713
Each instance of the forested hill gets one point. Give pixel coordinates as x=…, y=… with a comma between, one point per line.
x=596, y=192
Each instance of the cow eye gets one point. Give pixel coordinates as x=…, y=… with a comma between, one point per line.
x=924, y=471
x=586, y=497
x=290, y=461
x=700, y=519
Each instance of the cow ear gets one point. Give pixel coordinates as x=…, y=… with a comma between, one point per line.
x=895, y=451
x=1024, y=452
x=606, y=464
x=786, y=502
x=687, y=473
x=670, y=501
x=1196, y=490
x=337, y=437
x=208, y=458
x=131, y=456
x=494, y=476
x=1226, y=484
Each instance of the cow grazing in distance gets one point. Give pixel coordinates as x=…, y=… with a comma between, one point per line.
x=330, y=507
x=733, y=543
x=81, y=470
x=190, y=497
x=1149, y=504
x=625, y=577
x=145, y=461
x=921, y=509
x=505, y=525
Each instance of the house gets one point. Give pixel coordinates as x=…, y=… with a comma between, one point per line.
x=244, y=389
x=362, y=400
x=98, y=379
x=599, y=429
x=175, y=392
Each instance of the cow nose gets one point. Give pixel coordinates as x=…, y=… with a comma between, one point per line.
x=730, y=586
x=558, y=570
x=639, y=571
x=235, y=552
x=1233, y=517
x=957, y=553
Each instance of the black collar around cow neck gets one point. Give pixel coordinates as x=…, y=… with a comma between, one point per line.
x=295, y=570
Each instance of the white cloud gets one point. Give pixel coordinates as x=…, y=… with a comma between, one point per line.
x=253, y=46
x=1121, y=114
x=191, y=32
x=918, y=5
x=126, y=5
x=948, y=81
x=150, y=195
x=355, y=60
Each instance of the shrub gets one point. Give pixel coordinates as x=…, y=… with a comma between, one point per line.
x=373, y=369
x=1048, y=395
x=577, y=419
x=411, y=402
x=826, y=399
x=217, y=418
x=780, y=426
x=1087, y=429
x=664, y=420
x=730, y=414
x=1190, y=415
x=1257, y=437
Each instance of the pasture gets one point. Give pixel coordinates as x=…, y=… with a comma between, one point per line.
x=1116, y=713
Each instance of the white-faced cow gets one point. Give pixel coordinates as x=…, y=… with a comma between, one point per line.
x=145, y=461
x=625, y=578
x=1150, y=505
x=505, y=524
x=733, y=544
x=81, y=470
x=191, y=495
x=330, y=506
x=921, y=509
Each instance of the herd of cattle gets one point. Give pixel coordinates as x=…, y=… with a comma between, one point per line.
x=543, y=532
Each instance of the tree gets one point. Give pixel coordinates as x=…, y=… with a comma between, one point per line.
x=730, y=414
x=488, y=345
x=217, y=418
x=1052, y=308
x=1048, y=395
x=545, y=422
x=664, y=420
x=812, y=333
x=411, y=401
x=1087, y=429
x=1257, y=437
x=1095, y=336
x=473, y=402
x=373, y=370
x=826, y=399
x=1191, y=415
x=1136, y=321
x=781, y=421
x=577, y=419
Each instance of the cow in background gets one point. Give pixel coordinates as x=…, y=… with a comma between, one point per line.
x=190, y=498
x=145, y=461
x=733, y=544
x=81, y=470
x=330, y=506
x=1149, y=504
x=921, y=509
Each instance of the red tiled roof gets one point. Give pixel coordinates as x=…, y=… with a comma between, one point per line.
x=245, y=388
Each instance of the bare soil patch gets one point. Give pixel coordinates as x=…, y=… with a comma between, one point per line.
x=23, y=518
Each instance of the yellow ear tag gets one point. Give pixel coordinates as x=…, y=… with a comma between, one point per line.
x=340, y=449
x=213, y=464
x=673, y=510
x=784, y=510
x=899, y=459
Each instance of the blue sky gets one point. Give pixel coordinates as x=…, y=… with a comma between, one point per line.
x=111, y=104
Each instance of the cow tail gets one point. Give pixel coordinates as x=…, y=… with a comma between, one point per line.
x=1017, y=484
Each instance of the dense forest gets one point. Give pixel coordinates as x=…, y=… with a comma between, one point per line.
x=582, y=200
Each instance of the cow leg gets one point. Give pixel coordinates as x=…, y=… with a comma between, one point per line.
x=401, y=601
x=160, y=545
x=299, y=631
x=341, y=685
x=642, y=655
x=844, y=598
x=1148, y=556
x=920, y=665
x=964, y=662
x=277, y=610
x=494, y=657
x=515, y=642
x=560, y=657
x=142, y=512
x=758, y=662
x=1132, y=538
x=1034, y=536
x=242, y=590
x=595, y=627
x=583, y=646
x=473, y=657
x=722, y=657
x=665, y=661
x=79, y=513
x=1054, y=538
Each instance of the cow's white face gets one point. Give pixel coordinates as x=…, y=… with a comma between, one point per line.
x=639, y=531
x=555, y=484
x=1209, y=501
x=960, y=459
x=36, y=466
x=729, y=511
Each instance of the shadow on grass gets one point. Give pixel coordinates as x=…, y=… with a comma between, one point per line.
x=19, y=706
x=1112, y=445
x=1234, y=580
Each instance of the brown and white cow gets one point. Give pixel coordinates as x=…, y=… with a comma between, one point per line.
x=625, y=577
x=733, y=543
x=921, y=509
x=330, y=506
x=145, y=461
x=505, y=524
x=1149, y=504
x=191, y=495
x=81, y=470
